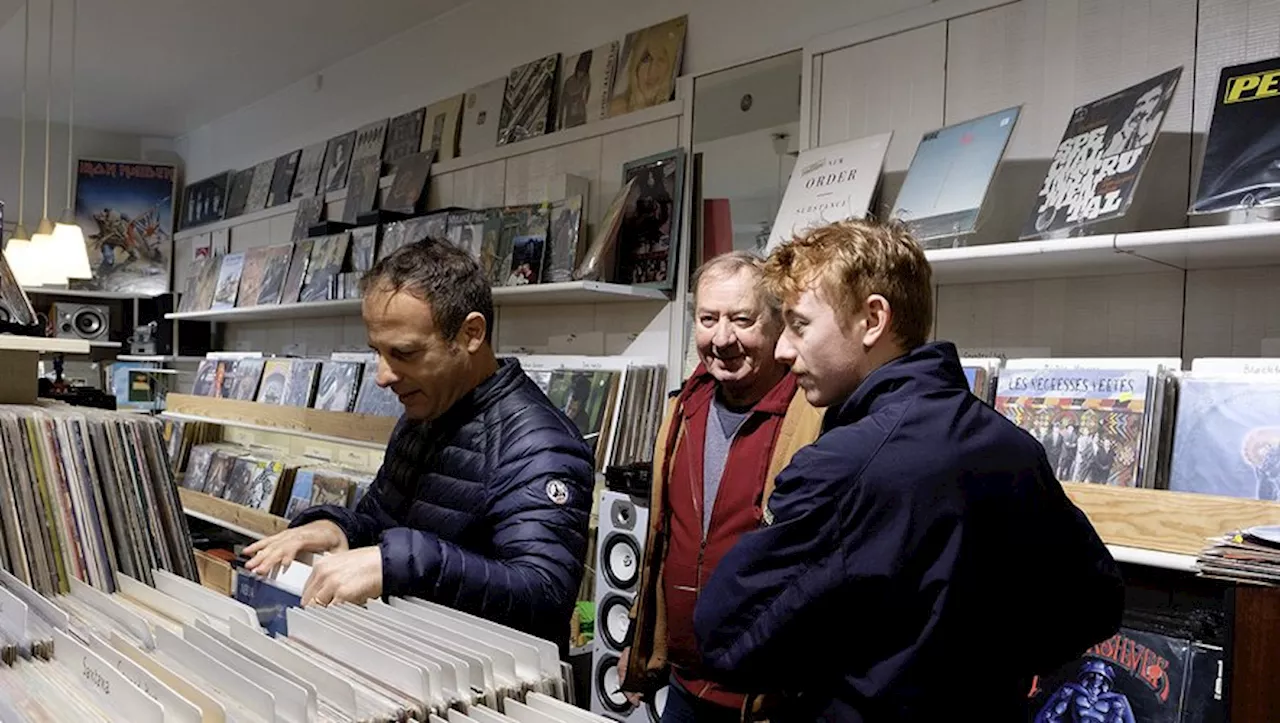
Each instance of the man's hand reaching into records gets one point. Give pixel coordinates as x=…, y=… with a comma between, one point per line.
x=281, y=549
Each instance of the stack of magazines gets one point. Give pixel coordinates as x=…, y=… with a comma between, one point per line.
x=1249, y=556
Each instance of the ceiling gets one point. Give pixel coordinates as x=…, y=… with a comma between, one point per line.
x=164, y=67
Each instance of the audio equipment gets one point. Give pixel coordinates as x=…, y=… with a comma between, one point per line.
x=91, y=322
x=620, y=540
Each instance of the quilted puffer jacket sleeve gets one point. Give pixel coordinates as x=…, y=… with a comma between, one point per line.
x=365, y=524
x=542, y=477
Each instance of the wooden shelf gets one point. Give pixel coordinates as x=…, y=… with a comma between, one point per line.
x=638, y=118
x=361, y=430
x=237, y=518
x=1166, y=522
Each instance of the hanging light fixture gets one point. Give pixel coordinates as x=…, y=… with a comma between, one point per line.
x=51, y=268
x=18, y=252
x=68, y=238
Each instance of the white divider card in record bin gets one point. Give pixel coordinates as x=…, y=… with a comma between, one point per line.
x=832, y=183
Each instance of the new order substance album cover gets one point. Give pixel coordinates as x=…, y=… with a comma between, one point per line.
x=1132, y=677
x=949, y=176
x=1100, y=159
x=1240, y=160
x=126, y=213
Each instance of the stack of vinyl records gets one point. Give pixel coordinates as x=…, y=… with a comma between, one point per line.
x=1251, y=556
x=270, y=479
x=616, y=403
x=84, y=493
x=181, y=652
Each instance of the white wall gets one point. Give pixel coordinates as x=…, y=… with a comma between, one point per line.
x=483, y=40
x=89, y=144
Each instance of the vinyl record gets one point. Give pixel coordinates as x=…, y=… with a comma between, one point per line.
x=656, y=705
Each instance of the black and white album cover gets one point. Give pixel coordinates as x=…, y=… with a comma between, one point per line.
x=586, y=83
x=370, y=139
x=362, y=188
x=950, y=173
x=205, y=201
x=310, y=168
x=337, y=162
x=526, y=104
x=15, y=307
x=1240, y=169
x=260, y=188
x=409, y=185
x=282, y=179
x=404, y=136
x=1100, y=159
x=238, y=197
x=481, y=111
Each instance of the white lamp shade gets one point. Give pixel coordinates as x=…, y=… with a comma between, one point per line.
x=52, y=270
x=69, y=249
x=21, y=261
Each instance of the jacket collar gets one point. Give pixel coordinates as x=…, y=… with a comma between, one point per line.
x=929, y=368
x=701, y=388
x=496, y=386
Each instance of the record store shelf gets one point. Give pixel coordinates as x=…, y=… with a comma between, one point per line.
x=229, y=515
x=1202, y=247
x=361, y=430
x=1160, y=528
x=568, y=292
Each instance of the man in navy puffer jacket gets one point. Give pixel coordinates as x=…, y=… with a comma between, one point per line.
x=919, y=560
x=483, y=498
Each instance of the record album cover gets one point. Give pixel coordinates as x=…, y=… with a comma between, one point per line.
x=481, y=113
x=950, y=173
x=408, y=186
x=205, y=201
x=224, y=295
x=586, y=83
x=1132, y=677
x=273, y=277
x=648, y=66
x=1097, y=165
x=1090, y=421
x=404, y=136
x=282, y=178
x=370, y=140
x=337, y=162
x=306, y=182
x=310, y=213
x=651, y=219
x=526, y=103
x=564, y=242
x=126, y=212
x=1240, y=169
x=260, y=187
x=362, y=189
x=466, y=231
x=1226, y=438
x=15, y=306
x=440, y=128
x=829, y=184
x=238, y=196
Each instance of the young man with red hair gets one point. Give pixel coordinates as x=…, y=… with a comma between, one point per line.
x=920, y=558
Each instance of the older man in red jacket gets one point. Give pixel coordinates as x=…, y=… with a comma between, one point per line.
x=733, y=426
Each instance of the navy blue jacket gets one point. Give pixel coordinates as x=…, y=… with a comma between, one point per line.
x=921, y=561
x=484, y=509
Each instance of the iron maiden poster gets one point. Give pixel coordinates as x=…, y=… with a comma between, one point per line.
x=1097, y=165
x=126, y=212
x=1240, y=169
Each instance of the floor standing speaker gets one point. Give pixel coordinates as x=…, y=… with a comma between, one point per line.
x=624, y=522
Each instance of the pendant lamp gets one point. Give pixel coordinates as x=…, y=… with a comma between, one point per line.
x=18, y=251
x=68, y=238
x=51, y=270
